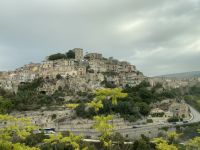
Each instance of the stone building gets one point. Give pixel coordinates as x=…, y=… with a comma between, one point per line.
x=78, y=53
x=81, y=73
x=92, y=56
x=157, y=112
x=97, y=65
x=179, y=109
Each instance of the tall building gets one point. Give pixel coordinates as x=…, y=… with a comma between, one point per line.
x=78, y=53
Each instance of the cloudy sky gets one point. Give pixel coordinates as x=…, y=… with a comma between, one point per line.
x=158, y=36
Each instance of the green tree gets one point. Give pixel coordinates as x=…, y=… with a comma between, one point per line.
x=58, y=77
x=70, y=54
x=80, y=110
x=57, y=56
x=5, y=105
x=146, y=95
x=144, y=108
x=142, y=144
x=173, y=119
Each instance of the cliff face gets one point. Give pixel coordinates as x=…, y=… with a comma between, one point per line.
x=81, y=73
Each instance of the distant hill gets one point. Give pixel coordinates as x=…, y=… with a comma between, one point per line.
x=181, y=75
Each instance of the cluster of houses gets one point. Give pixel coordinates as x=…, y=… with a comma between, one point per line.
x=84, y=72
x=171, y=108
x=174, y=83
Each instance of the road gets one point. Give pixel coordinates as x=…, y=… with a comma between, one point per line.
x=150, y=130
x=196, y=115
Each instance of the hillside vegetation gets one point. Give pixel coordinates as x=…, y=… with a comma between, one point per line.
x=134, y=105
x=192, y=97
x=131, y=103
x=131, y=107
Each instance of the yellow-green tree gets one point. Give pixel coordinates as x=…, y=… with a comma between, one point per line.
x=54, y=140
x=162, y=144
x=6, y=145
x=112, y=94
x=95, y=104
x=102, y=125
x=71, y=140
x=173, y=137
x=72, y=106
x=193, y=144
x=15, y=129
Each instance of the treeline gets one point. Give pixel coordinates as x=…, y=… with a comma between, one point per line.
x=69, y=55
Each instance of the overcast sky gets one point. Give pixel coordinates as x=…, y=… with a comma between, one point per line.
x=158, y=36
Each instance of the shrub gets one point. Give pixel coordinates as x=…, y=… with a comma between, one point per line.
x=57, y=56
x=149, y=121
x=173, y=119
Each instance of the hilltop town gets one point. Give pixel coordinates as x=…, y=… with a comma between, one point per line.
x=99, y=75
x=66, y=92
x=78, y=72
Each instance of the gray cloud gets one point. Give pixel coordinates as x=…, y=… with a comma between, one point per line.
x=157, y=36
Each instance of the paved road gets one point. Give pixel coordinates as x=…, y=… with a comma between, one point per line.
x=196, y=115
x=148, y=130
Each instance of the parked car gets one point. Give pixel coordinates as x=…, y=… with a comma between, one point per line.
x=49, y=131
x=134, y=127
